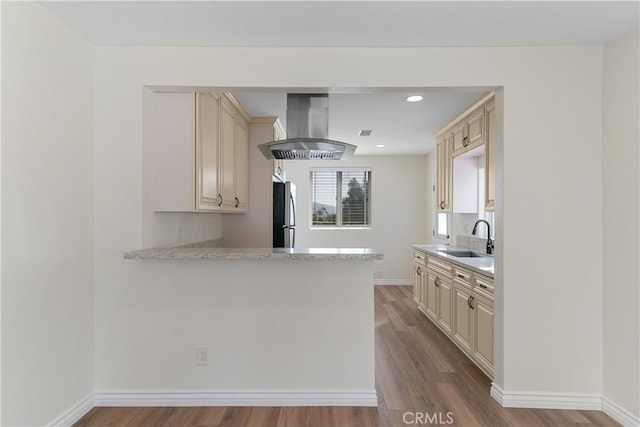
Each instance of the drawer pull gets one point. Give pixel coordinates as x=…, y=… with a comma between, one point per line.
x=483, y=286
x=462, y=276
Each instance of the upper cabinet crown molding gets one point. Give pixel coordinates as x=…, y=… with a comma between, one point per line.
x=463, y=115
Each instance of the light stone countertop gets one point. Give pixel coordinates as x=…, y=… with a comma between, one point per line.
x=481, y=265
x=256, y=253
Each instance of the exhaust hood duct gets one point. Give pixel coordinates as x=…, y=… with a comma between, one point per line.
x=307, y=132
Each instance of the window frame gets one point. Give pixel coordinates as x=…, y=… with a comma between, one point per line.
x=339, y=174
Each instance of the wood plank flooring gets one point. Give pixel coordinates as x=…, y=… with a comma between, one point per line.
x=420, y=376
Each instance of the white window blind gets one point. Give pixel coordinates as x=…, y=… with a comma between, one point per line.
x=341, y=198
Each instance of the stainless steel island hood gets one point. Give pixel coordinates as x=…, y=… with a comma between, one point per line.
x=307, y=132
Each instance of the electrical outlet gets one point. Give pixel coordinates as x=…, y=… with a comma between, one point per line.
x=202, y=356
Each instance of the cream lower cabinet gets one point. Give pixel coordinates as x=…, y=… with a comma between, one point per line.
x=200, y=153
x=463, y=318
x=460, y=303
x=419, y=274
x=481, y=309
x=438, y=294
x=444, y=304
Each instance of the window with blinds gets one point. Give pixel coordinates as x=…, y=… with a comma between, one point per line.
x=341, y=198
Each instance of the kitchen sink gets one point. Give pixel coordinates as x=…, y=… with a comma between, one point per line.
x=463, y=254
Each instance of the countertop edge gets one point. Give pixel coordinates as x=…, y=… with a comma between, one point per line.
x=183, y=253
x=460, y=263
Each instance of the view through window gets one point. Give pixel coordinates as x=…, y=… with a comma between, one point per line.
x=340, y=198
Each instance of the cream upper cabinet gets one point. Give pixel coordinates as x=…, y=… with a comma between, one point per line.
x=200, y=153
x=444, y=177
x=459, y=135
x=489, y=150
x=469, y=133
x=227, y=177
x=279, y=165
x=241, y=166
x=234, y=152
x=207, y=139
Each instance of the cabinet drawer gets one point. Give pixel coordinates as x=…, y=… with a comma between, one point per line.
x=484, y=286
x=438, y=264
x=420, y=257
x=439, y=272
x=462, y=277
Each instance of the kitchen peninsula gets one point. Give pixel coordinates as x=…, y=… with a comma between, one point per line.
x=282, y=326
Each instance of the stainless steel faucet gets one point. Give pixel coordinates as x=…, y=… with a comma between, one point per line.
x=489, y=241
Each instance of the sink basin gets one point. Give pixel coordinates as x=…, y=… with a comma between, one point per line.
x=463, y=254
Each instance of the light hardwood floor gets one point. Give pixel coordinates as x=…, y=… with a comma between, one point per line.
x=418, y=370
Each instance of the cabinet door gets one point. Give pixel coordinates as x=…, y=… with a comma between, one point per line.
x=432, y=297
x=418, y=270
x=489, y=151
x=444, y=174
x=241, y=166
x=227, y=175
x=475, y=129
x=444, y=305
x=207, y=134
x=462, y=318
x=459, y=136
x=483, y=332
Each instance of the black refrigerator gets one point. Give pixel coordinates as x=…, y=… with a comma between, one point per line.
x=284, y=215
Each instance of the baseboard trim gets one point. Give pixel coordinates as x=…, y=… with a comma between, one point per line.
x=75, y=412
x=235, y=398
x=392, y=282
x=537, y=400
x=619, y=414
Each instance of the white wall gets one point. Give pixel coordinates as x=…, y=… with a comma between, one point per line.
x=47, y=216
x=621, y=213
x=398, y=211
x=552, y=113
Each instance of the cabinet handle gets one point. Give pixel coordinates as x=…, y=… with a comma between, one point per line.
x=221, y=199
x=279, y=171
x=460, y=276
x=237, y=202
x=465, y=141
x=471, y=302
x=442, y=205
x=482, y=286
x=437, y=282
x=419, y=271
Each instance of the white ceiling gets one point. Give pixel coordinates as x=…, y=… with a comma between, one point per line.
x=405, y=128
x=348, y=23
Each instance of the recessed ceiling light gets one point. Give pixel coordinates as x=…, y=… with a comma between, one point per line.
x=414, y=98
x=365, y=132
x=380, y=145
